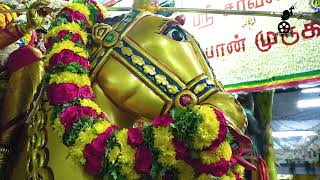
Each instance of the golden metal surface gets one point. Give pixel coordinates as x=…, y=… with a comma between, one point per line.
x=38, y=154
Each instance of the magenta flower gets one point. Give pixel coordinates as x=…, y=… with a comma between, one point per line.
x=64, y=92
x=69, y=116
x=181, y=149
x=76, y=37
x=62, y=33
x=94, y=162
x=135, y=137
x=85, y=92
x=94, y=152
x=223, y=129
x=67, y=56
x=233, y=161
x=162, y=121
x=61, y=93
x=216, y=169
x=143, y=160
x=87, y=111
x=102, y=115
x=75, y=15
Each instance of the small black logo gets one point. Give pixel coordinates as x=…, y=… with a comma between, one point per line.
x=284, y=26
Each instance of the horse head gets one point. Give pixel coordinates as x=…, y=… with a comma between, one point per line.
x=146, y=64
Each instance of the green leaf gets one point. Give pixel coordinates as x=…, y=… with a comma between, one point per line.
x=80, y=1
x=93, y=13
x=71, y=67
x=185, y=124
x=114, y=174
x=230, y=137
x=81, y=125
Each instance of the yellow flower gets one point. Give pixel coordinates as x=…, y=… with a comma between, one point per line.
x=72, y=27
x=89, y=103
x=101, y=127
x=208, y=129
x=225, y=177
x=58, y=127
x=58, y=47
x=223, y=151
x=185, y=170
x=84, y=138
x=205, y=177
x=239, y=169
x=83, y=9
x=69, y=77
x=127, y=157
x=103, y=10
x=114, y=154
x=163, y=142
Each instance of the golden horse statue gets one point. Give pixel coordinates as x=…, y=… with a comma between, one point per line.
x=142, y=65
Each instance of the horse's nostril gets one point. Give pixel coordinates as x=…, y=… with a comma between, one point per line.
x=185, y=100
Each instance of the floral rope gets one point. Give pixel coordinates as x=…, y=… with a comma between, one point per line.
x=188, y=143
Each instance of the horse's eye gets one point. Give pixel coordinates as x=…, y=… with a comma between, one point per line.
x=176, y=33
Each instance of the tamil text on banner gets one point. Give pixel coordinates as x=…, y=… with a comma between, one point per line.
x=248, y=53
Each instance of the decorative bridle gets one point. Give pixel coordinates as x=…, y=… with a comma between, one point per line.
x=114, y=42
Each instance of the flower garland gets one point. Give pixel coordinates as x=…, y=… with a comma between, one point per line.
x=188, y=143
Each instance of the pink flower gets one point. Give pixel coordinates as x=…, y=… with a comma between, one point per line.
x=64, y=92
x=216, y=169
x=135, y=137
x=69, y=116
x=102, y=115
x=162, y=121
x=87, y=111
x=94, y=152
x=143, y=160
x=62, y=33
x=76, y=37
x=93, y=167
x=222, y=131
x=181, y=149
x=67, y=56
x=220, y=168
x=94, y=163
x=75, y=15
x=98, y=145
x=61, y=93
x=85, y=92
x=233, y=161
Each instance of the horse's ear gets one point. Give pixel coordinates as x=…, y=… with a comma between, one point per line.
x=181, y=19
